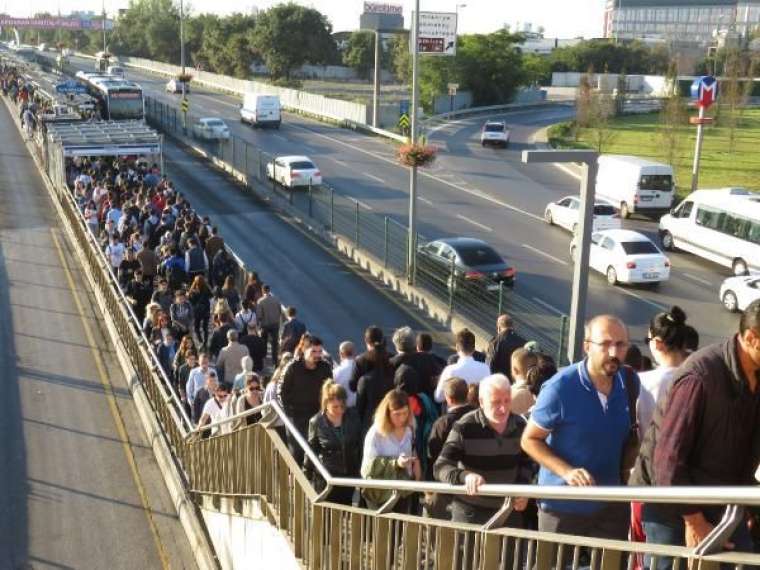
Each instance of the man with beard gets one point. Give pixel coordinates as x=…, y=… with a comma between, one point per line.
x=578, y=429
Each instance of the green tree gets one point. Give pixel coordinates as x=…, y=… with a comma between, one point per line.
x=225, y=45
x=674, y=117
x=288, y=36
x=400, y=58
x=360, y=53
x=537, y=69
x=634, y=57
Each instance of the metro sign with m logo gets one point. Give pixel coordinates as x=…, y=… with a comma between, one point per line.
x=705, y=91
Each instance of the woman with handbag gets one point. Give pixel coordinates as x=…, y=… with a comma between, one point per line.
x=389, y=450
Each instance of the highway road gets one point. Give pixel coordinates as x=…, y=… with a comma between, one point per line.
x=80, y=485
x=485, y=193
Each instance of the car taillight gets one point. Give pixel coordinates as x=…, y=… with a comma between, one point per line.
x=667, y=263
x=317, y=173
x=631, y=265
x=294, y=174
x=473, y=275
x=509, y=272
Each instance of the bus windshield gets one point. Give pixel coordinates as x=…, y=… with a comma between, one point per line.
x=125, y=105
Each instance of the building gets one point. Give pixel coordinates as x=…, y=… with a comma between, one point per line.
x=682, y=21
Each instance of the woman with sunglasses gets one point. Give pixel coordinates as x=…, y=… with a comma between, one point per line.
x=250, y=398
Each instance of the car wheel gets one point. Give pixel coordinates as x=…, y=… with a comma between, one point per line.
x=625, y=212
x=612, y=276
x=667, y=241
x=548, y=217
x=730, y=302
x=740, y=267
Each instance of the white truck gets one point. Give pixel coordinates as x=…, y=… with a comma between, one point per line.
x=261, y=110
x=635, y=184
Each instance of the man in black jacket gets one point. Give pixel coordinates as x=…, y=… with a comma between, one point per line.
x=299, y=391
x=501, y=347
x=455, y=394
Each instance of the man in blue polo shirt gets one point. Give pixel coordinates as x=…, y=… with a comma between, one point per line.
x=577, y=431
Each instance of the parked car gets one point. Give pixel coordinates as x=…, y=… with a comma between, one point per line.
x=211, y=128
x=175, y=86
x=625, y=256
x=738, y=292
x=470, y=260
x=495, y=133
x=293, y=171
x=566, y=214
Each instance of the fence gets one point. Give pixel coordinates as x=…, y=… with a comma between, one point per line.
x=386, y=238
x=253, y=463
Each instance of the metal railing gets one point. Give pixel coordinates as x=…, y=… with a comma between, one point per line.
x=254, y=462
x=383, y=236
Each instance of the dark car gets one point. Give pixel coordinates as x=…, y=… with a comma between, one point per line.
x=469, y=259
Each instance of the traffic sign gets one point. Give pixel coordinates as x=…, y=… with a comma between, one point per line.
x=403, y=121
x=184, y=104
x=438, y=33
x=71, y=87
x=705, y=91
x=403, y=107
x=453, y=87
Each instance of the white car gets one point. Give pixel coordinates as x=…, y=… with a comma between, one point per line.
x=625, y=256
x=738, y=292
x=175, y=86
x=211, y=128
x=495, y=133
x=566, y=214
x=292, y=171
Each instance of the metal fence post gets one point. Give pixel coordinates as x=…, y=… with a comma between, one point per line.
x=357, y=223
x=245, y=148
x=452, y=285
x=332, y=210
x=290, y=195
x=274, y=182
x=262, y=168
x=501, y=298
x=310, y=201
x=385, y=245
x=562, y=350
x=232, y=147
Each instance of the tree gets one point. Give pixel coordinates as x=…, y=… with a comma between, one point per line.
x=537, y=69
x=400, y=58
x=225, y=45
x=584, y=101
x=601, y=111
x=288, y=36
x=633, y=57
x=674, y=117
x=360, y=53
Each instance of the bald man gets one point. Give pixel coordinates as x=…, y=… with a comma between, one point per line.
x=578, y=429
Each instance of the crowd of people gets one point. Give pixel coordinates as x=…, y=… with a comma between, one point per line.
x=678, y=416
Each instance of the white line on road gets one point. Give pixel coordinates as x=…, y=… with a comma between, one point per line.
x=373, y=177
x=363, y=205
x=697, y=279
x=217, y=99
x=280, y=137
x=657, y=306
x=546, y=305
x=425, y=200
x=335, y=160
x=543, y=253
x=474, y=223
x=568, y=170
x=476, y=193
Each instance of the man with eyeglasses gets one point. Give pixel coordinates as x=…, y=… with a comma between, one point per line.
x=578, y=429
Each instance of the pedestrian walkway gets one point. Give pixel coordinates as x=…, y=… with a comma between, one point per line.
x=81, y=488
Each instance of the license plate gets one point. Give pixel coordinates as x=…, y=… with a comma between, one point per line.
x=646, y=198
x=650, y=275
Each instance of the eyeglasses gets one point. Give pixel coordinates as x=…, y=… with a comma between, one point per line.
x=607, y=344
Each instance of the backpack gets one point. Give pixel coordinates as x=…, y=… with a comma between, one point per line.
x=425, y=414
x=175, y=275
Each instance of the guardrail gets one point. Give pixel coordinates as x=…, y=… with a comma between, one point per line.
x=384, y=237
x=253, y=462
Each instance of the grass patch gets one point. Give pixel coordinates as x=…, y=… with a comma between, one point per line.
x=638, y=135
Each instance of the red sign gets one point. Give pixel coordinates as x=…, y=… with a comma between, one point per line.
x=430, y=45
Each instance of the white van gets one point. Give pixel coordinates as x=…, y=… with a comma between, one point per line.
x=634, y=184
x=720, y=225
x=261, y=110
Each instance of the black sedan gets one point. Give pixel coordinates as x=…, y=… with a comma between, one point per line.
x=466, y=259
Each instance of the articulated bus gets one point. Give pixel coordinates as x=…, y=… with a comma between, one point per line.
x=118, y=99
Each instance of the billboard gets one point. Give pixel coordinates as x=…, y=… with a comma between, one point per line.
x=382, y=17
x=437, y=33
x=54, y=23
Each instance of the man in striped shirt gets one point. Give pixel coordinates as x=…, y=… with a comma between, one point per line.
x=484, y=447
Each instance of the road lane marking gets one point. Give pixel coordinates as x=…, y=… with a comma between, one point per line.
x=544, y=254
x=657, y=306
x=568, y=170
x=474, y=223
x=280, y=137
x=425, y=200
x=216, y=100
x=697, y=279
x=546, y=305
x=339, y=162
x=114, y=408
x=363, y=205
x=373, y=177
x=476, y=193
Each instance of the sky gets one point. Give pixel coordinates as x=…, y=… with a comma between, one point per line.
x=560, y=18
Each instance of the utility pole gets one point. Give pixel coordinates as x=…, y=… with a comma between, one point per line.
x=376, y=88
x=182, y=62
x=105, y=48
x=698, y=149
x=412, y=240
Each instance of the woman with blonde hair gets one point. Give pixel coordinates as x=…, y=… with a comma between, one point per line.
x=231, y=293
x=186, y=344
x=335, y=438
x=389, y=448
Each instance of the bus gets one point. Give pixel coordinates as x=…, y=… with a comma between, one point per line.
x=118, y=99
x=722, y=226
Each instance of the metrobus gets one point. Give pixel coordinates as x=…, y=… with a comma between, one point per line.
x=118, y=99
x=722, y=226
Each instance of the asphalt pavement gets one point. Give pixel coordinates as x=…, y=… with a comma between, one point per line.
x=485, y=193
x=80, y=485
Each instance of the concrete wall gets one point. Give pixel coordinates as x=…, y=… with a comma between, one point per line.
x=653, y=85
x=339, y=72
x=442, y=103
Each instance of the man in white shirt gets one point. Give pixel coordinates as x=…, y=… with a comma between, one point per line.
x=197, y=377
x=466, y=368
x=344, y=371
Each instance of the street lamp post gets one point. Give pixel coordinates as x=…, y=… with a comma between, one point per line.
x=103, y=22
x=580, y=272
x=376, y=86
x=412, y=239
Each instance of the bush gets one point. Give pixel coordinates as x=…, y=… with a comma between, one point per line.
x=288, y=83
x=416, y=155
x=561, y=133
